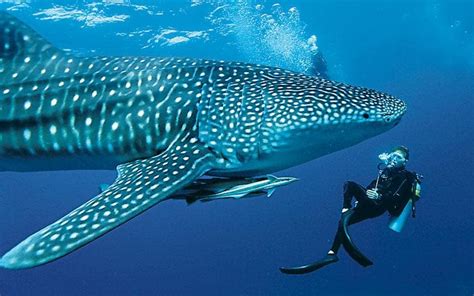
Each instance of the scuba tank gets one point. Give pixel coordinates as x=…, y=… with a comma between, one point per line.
x=397, y=223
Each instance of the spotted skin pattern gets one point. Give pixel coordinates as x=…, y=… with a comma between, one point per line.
x=140, y=185
x=163, y=123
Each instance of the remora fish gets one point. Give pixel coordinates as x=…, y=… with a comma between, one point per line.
x=163, y=123
x=218, y=188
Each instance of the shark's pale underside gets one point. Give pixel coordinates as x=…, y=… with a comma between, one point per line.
x=163, y=123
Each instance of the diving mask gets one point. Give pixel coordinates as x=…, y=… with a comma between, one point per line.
x=393, y=159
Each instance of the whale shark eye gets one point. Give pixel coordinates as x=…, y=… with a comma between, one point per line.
x=365, y=115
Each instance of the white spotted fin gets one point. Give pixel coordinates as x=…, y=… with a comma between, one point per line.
x=140, y=185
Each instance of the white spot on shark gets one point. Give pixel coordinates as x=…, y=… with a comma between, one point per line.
x=27, y=134
x=27, y=105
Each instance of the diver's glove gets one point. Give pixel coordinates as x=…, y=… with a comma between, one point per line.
x=373, y=194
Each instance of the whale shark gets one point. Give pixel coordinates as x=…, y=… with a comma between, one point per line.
x=162, y=123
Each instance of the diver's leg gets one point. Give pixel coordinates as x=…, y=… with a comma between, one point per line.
x=352, y=189
x=358, y=216
x=360, y=213
x=331, y=257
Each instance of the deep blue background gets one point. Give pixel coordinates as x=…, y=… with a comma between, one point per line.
x=421, y=52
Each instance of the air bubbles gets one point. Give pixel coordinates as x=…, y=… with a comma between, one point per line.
x=267, y=35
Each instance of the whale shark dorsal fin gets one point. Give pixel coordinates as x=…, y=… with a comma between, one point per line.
x=19, y=40
x=22, y=50
x=140, y=184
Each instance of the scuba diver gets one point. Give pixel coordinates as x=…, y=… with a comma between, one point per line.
x=319, y=66
x=394, y=190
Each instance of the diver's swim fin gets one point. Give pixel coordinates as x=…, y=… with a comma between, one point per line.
x=348, y=244
x=310, y=267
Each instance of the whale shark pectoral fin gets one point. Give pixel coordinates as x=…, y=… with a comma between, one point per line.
x=140, y=185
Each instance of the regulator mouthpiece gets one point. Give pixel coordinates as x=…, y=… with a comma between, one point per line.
x=385, y=158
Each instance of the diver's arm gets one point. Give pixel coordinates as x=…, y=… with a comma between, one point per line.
x=372, y=184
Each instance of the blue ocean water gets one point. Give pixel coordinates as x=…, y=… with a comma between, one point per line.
x=420, y=51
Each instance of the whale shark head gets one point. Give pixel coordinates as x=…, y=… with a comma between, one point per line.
x=289, y=118
x=313, y=116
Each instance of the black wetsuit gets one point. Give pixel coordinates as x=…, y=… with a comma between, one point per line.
x=395, y=189
x=319, y=67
